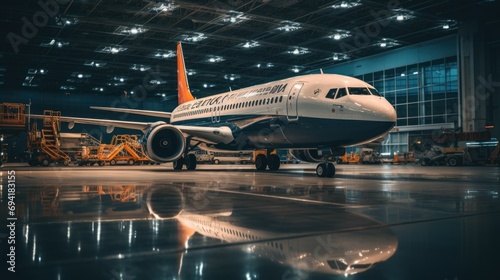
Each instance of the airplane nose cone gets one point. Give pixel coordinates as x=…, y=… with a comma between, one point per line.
x=389, y=112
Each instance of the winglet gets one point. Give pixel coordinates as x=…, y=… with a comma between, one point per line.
x=184, y=94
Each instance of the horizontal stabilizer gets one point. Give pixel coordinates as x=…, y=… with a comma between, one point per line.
x=158, y=114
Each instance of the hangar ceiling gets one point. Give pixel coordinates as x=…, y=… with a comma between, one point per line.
x=108, y=47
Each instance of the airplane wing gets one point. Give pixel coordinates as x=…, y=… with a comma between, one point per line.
x=159, y=114
x=211, y=135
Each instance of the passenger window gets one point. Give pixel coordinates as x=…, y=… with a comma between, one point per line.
x=341, y=93
x=331, y=93
x=359, y=91
x=375, y=92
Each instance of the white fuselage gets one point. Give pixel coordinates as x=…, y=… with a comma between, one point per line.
x=294, y=112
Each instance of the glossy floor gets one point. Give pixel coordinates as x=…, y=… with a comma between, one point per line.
x=230, y=222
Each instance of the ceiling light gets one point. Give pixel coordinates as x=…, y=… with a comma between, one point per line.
x=448, y=24
x=288, y=26
x=231, y=77
x=94, y=64
x=340, y=34
x=347, y=4
x=163, y=54
x=388, y=43
x=196, y=37
x=53, y=42
x=157, y=82
x=214, y=59
x=400, y=17
x=234, y=17
x=140, y=67
x=299, y=51
x=111, y=49
x=250, y=44
x=62, y=21
x=339, y=56
x=163, y=7
x=79, y=76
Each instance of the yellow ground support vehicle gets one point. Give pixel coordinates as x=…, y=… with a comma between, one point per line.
x=404, y=158
x=123, y=148
x=351, y=157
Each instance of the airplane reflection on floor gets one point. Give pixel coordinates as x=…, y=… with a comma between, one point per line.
x=84, y=224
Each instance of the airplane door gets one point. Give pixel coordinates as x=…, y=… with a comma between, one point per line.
x=291, y=104
x=215, y=114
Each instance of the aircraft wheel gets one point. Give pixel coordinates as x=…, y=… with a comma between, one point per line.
x=452, y=161
x=112, y=162
x=273, y=162
x=45, y=162
x=321, y=170
x=131, y=162
x=330, y=170
x=261, y=162
x=178, y=163
x=191, y=162
x=65, y=162
x=216, y=161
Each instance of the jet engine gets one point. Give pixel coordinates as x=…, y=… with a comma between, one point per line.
x=163, y=143
x=317, y=155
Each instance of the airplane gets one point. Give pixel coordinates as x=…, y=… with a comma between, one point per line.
x=314, y=115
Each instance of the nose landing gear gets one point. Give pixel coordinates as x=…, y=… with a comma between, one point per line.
x=325, y=169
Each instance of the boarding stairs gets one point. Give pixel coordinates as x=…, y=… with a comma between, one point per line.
x=50, y=143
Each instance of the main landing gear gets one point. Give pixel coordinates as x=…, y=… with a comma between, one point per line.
x=187, y=159
x=271, y=160
x=325, y=169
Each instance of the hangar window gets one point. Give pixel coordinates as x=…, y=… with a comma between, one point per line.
x=281, y=98
x=359, y=91
x=341, y=93
x=331, y=93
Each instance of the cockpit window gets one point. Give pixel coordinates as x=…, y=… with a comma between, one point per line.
x=340, y=265
x=359, y=91
x=340, y=93
x=361, y=266
x=375, y=92
x=331, y=93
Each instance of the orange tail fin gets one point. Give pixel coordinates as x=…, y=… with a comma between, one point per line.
x=184, y=94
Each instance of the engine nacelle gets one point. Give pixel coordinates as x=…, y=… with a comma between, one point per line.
x=164, y=143
x=317, y=155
